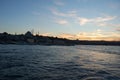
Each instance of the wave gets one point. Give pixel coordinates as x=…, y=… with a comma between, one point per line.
x=101, y=49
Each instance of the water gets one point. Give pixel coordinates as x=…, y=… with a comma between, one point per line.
x=83, y=62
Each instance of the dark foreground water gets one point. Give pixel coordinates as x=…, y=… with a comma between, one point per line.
x=35, y=62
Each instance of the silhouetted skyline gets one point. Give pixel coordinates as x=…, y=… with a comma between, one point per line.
x=72, y=19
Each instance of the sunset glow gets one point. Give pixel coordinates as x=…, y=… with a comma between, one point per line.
x=71, y=19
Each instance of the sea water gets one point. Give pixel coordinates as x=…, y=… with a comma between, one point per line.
x=81, y=62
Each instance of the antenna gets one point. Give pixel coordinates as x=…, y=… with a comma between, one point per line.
x=32, y=31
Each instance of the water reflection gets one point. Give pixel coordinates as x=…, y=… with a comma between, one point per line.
x=57, y=63
x=95, y=59
x=103, y=57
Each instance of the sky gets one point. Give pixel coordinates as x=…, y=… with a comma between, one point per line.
x=72, y=19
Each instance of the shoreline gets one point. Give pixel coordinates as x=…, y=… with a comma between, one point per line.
x=60, y=45
x=29, y=39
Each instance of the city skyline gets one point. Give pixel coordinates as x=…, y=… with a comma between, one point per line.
x=72, y=19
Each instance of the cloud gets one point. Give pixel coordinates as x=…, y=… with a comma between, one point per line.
x=46, y=34
x=83, y=21
x=56, y=12
x=66, y=35
x=71, y=13
x=58, y=3
x=108, y=24
x=103, y=19
x=98, y=20
x=118, y=29
x=62, y=22
x=94, y=35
